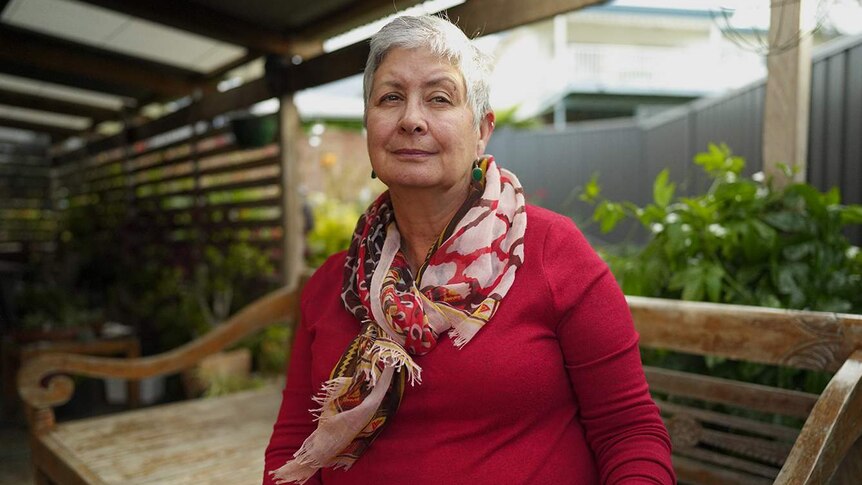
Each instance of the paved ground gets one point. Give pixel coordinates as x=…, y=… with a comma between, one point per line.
x=14, y=447
x=14, y=451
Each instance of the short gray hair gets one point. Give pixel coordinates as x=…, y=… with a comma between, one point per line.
x=442, y=38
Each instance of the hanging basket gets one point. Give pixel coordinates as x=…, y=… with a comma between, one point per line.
x=254, y=131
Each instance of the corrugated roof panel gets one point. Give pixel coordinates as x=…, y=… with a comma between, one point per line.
x=69, y=20
x=120, y=33
x=170, y=46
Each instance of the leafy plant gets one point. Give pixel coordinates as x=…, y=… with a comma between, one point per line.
x=506, y=118
x=270, y=348
x=744, y=241
x=334, y=222
x=223, y=276
x=43, y=306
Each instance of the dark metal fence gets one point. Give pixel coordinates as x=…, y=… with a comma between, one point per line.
x=629, y=153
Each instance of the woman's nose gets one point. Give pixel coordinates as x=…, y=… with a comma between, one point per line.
x=412, y=119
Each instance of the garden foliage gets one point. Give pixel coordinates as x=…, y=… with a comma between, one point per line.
x=744, y=241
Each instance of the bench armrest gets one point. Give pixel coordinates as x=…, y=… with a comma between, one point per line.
x=42, y=384
x=830, y=431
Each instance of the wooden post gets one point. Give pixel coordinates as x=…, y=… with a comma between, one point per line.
x=788, y=90
x=292, y=261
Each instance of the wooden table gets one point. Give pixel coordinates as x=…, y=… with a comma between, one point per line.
x=14, y=354
x=218, y=440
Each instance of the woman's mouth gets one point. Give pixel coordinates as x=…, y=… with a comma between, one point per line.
x=412, y=152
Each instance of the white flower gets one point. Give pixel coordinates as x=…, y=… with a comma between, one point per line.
x=656, y=227
x=717, y=230
x=852, y=252
x=671, y=218
x=685, y=228
x=758, y=177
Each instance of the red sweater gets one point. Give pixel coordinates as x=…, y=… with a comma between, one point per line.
x=550, y=391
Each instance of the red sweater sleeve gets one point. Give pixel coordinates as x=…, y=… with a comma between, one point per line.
x=294, y=422
x=600, y=347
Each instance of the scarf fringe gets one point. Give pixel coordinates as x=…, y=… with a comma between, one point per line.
x=384, y=351
x=458, y=340
x=393, y=355
x=332, y=389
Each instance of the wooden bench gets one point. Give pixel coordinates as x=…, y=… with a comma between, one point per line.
x=218, y=440
x=222, y=440
x=713, y=447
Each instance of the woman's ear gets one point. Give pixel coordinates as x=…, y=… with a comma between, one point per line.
x=486, y=127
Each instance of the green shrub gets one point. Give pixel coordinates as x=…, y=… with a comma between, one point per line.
x=745, y=241
x=334, y=222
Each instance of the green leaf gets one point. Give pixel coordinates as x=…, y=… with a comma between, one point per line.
x=814, y=200
x=851, y=214
x=592, y=190
x=719, y=160
x=790, y=280
x=663, y=190
x=692, y=281
x=832, y=197
x=786, y=221
x=651, y=214
x=608, y=214
x=799, y=251
x=712, y=281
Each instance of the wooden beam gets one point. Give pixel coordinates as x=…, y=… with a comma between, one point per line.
x=788, y=92
x=323, y=69
x=291, y=136
x=34, y=73
x=54, y=55
x=352, y=16
x=202, y=20
x=472, y=17
x=41, y=103
x=483, y=17
x=54, y=131
x=207, y=108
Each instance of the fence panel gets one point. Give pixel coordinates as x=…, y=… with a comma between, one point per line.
x=628, y=159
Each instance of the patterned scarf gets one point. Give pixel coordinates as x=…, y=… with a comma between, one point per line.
x=466, y=274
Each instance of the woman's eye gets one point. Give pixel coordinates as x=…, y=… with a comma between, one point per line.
x=389, y=97
x=440, y=99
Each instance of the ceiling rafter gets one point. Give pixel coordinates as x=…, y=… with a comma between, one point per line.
x=472, y=17
x=22, y=70
x=199, y=19
x=352, y=16
x=53, y=105
x=50, y=54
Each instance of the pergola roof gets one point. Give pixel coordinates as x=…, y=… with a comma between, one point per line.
x=67, y=65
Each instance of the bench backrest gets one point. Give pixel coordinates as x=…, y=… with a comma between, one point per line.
x=727, y=431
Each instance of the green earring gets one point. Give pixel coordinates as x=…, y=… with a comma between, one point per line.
x=373, y=174
x=477, y=173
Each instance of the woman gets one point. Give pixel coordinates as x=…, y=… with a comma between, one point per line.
x=465, y=337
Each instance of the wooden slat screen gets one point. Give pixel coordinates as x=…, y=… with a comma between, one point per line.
x=27, y=218
x=182, y=189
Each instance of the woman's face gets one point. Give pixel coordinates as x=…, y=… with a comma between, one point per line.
x=420, y=126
